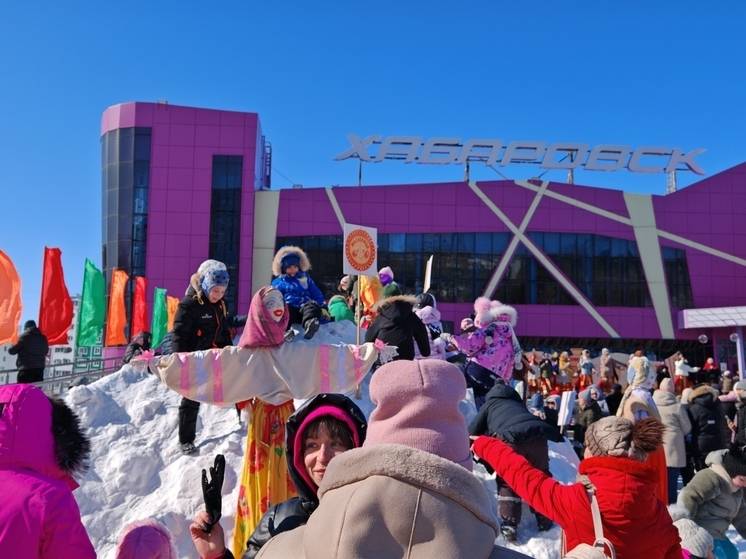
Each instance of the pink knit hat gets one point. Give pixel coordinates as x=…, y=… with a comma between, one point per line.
x=146, y=538
x=417, y=405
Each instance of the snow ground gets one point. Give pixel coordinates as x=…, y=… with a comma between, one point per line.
x=138, y=472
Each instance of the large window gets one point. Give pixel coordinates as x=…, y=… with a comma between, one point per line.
x=225, y=218
x=677, y=277
x=607, y=270
x=125, y=177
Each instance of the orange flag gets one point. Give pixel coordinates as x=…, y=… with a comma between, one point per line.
x=55, y=307
x=10, y=300
x=116, y=317
x=139, y=308
x=172, y=303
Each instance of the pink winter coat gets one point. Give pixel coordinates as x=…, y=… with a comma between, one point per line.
x=494, y=347
x=39, y=517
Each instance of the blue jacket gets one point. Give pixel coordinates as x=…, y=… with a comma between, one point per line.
x=298, y=290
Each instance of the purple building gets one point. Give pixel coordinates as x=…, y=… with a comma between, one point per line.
x=584, y=266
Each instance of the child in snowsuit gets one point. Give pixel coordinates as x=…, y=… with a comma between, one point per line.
x=634, y=520
x=504, y=416
x=41, y=447
x=492, y=349
x=304, y=299
x=715, y=499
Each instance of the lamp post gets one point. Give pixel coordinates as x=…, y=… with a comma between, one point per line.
x=737, y=337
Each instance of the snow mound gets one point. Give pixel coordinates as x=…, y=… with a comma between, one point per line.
x=137, y=470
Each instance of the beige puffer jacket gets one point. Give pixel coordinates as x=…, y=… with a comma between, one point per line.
x=390, y=501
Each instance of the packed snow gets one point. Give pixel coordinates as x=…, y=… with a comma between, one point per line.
x=138, y=472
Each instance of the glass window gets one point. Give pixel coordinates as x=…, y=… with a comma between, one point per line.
x=413, y=242
x=396, y=242
x=465, y=242
x=126, y=144
x=142, y=144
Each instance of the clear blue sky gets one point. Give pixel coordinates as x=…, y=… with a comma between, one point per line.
x=639, y=72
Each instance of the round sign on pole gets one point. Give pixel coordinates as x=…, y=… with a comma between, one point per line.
x=360, y=250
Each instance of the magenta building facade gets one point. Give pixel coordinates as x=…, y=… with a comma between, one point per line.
x=583, y=265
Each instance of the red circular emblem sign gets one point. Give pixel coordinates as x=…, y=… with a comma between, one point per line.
x=360, y=250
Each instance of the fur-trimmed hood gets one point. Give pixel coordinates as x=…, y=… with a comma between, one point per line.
x=705, y=395
x=305, y=263
x=506, y=310
x=393, y=300
x=40, y=434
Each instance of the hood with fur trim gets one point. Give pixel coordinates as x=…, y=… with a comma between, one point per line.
x=305, y=263
x=40, y=434
x=393, y=300
x=502, y=311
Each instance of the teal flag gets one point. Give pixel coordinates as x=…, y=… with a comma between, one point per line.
x=159, y=324
x=92, y=306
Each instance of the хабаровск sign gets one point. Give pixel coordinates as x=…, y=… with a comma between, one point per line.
x=559, y=155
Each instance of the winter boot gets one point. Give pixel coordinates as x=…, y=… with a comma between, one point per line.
x=289, y=335
x=188, y=449
x=311, y=327
x=510, y=533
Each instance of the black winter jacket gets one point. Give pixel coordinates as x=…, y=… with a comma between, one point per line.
x=295, y=512
x=32, y=349
x=397, y=325
x=504, y=416
x=741, y=424
x=709, y=428
x=139, y=344
x=200, y=324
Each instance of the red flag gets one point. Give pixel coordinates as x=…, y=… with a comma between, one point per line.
x=139, y=308
x=55, y=307
x=116, y=318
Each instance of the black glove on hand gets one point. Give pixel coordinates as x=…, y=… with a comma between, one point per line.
x=212, y=491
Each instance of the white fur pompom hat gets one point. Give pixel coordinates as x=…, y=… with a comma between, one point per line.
x=483, y=314
x=504, y=313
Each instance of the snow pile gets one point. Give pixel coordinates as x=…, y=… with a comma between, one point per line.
x=138, y=472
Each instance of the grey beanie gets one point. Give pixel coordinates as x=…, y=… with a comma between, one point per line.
x=694, y=539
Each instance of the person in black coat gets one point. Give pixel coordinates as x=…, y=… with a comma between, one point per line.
x=396, y=324
x=504, y=416
x=295, y=512
x=139, y=344
x=614, y=399
x=32, y=349
x=201, y=323
x=709, y=427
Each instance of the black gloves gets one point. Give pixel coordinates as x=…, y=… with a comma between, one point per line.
x=212, y=491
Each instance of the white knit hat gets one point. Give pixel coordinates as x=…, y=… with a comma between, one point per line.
x=694, y=539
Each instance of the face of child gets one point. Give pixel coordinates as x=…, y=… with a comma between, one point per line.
x=739, y=481
x=291, y=270
x=318, y=451
x=216, y=293
x=274, y=304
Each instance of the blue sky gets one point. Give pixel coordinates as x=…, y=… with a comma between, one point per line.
x=640, y=73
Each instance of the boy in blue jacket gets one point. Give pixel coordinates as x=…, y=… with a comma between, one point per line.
x=303, y=297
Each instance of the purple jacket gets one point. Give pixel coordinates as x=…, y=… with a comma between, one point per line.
x=494, y=347
x=39, y=517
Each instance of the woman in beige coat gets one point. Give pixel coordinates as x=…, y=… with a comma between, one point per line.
x=678, y=426
x=409, y=492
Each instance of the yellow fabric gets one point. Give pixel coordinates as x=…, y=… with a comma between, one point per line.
x=371, y=291
x=264, y=477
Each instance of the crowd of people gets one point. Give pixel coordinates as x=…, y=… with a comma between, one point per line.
x=663, y=470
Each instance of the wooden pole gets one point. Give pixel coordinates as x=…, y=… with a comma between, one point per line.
x=358, y=395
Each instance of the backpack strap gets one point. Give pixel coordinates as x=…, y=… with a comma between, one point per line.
x=598, y=528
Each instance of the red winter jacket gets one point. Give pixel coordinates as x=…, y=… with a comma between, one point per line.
x=634, y=520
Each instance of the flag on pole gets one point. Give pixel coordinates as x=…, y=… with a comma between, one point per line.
x=55, y=307
x=172, y=303
x=10, y=300
x=92, y=306
x=117, y=315
x=428, y=274
x=139, y=308
x=159, y=324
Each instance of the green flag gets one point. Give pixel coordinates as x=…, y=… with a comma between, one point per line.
x=159, y=324
x=92, y=306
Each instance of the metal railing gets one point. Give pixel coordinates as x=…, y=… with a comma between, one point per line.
x=108, y=365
